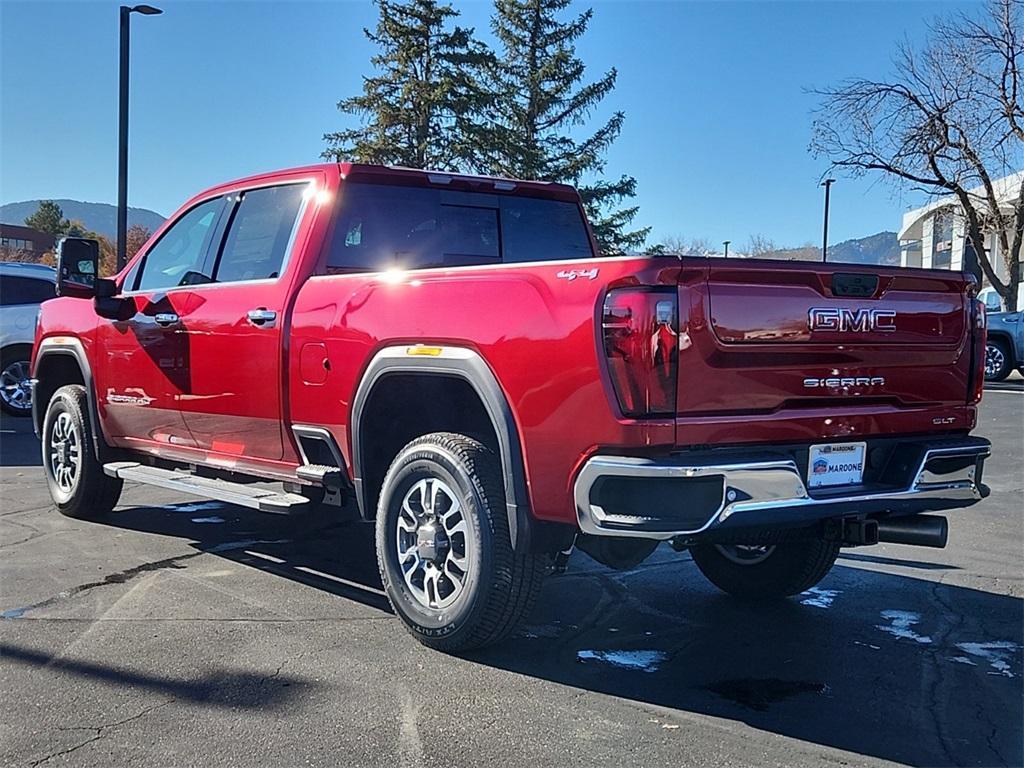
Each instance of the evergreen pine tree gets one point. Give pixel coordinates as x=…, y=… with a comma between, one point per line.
x=48, y=218
x=539, y=97
x=416, y=108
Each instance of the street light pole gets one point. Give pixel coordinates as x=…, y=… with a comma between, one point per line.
x=726, y=244
x=827, y=184
x=122, y=128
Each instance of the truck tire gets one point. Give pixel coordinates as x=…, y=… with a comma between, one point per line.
x=74, y=474
x=777, y=570
x=443, y=545
x=998, y=360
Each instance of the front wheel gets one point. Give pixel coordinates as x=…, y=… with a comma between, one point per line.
x=74, y=474
x=776, y=570
x=444, y=549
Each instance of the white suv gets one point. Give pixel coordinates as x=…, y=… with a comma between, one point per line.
x=23, y=287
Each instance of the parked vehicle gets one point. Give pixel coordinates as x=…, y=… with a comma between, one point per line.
x=23, y=287
x=447, y=356
x=1004, y=347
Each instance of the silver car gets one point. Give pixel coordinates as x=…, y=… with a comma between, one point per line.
x=23, y=287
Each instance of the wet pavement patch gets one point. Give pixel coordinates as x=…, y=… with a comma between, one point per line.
x=901, y=625
x=819, y=598
x=759, y=693
x=997, y=653
x=169, y=563
x=641, y=661
x=195, y=506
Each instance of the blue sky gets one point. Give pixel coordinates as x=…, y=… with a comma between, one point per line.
x=717, y=128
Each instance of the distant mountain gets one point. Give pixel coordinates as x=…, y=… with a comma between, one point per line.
x=99, y=217
x=882, y=248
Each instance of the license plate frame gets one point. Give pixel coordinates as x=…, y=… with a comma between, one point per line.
x=833, y=465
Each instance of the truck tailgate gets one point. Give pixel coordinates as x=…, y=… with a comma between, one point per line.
x=778, y=338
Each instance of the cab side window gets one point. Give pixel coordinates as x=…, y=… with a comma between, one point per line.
x=179, y=255
x=259, y=234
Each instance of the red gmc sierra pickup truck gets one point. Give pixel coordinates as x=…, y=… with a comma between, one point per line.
x=450, y=357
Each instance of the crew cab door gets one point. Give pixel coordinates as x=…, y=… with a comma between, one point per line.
x=234, y=327
x=143, y=359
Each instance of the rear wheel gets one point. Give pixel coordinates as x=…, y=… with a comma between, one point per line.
x=998, y=363
x=443, y=545
x=74, y=474
x=775, y=570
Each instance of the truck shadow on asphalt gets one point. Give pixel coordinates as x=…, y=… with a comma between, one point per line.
x=219, y=687
x=18, y=444
x=885, y=665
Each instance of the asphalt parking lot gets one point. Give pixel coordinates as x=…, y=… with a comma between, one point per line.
x=185, y=632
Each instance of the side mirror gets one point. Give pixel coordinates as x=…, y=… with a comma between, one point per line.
x=105, y=289
x=107, y=303
x=78, y=260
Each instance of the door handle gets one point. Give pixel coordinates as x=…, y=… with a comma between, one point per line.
x=166, y=318
x=262, y=317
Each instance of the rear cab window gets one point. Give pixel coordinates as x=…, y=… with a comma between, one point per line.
x=381, y=227
x=259, y=234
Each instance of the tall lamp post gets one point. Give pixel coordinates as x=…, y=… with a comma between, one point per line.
x=726, y=244
x=122, y=129
x=827, y=184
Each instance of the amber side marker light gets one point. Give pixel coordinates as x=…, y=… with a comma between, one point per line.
x=424, y=351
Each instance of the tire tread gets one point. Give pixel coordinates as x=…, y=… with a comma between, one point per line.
x=96, y=494
x=518, y=575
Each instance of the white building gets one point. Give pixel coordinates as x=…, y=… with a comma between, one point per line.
x=935, y=235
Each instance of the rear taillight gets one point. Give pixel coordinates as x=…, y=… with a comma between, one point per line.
x=979, y=326
x=641, y=344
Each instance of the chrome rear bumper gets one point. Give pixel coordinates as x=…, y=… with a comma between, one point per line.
x=767, y=492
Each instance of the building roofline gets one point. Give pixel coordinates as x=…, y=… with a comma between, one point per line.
x=1006, y=190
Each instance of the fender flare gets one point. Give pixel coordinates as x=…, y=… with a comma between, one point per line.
x=465, y=364
x=68, y=346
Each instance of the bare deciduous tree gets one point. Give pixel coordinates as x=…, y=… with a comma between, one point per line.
x=760, y=246
x=949, y=122
x=681, y=246
x=700, y=246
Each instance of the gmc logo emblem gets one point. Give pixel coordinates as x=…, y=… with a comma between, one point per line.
x=851, y=320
